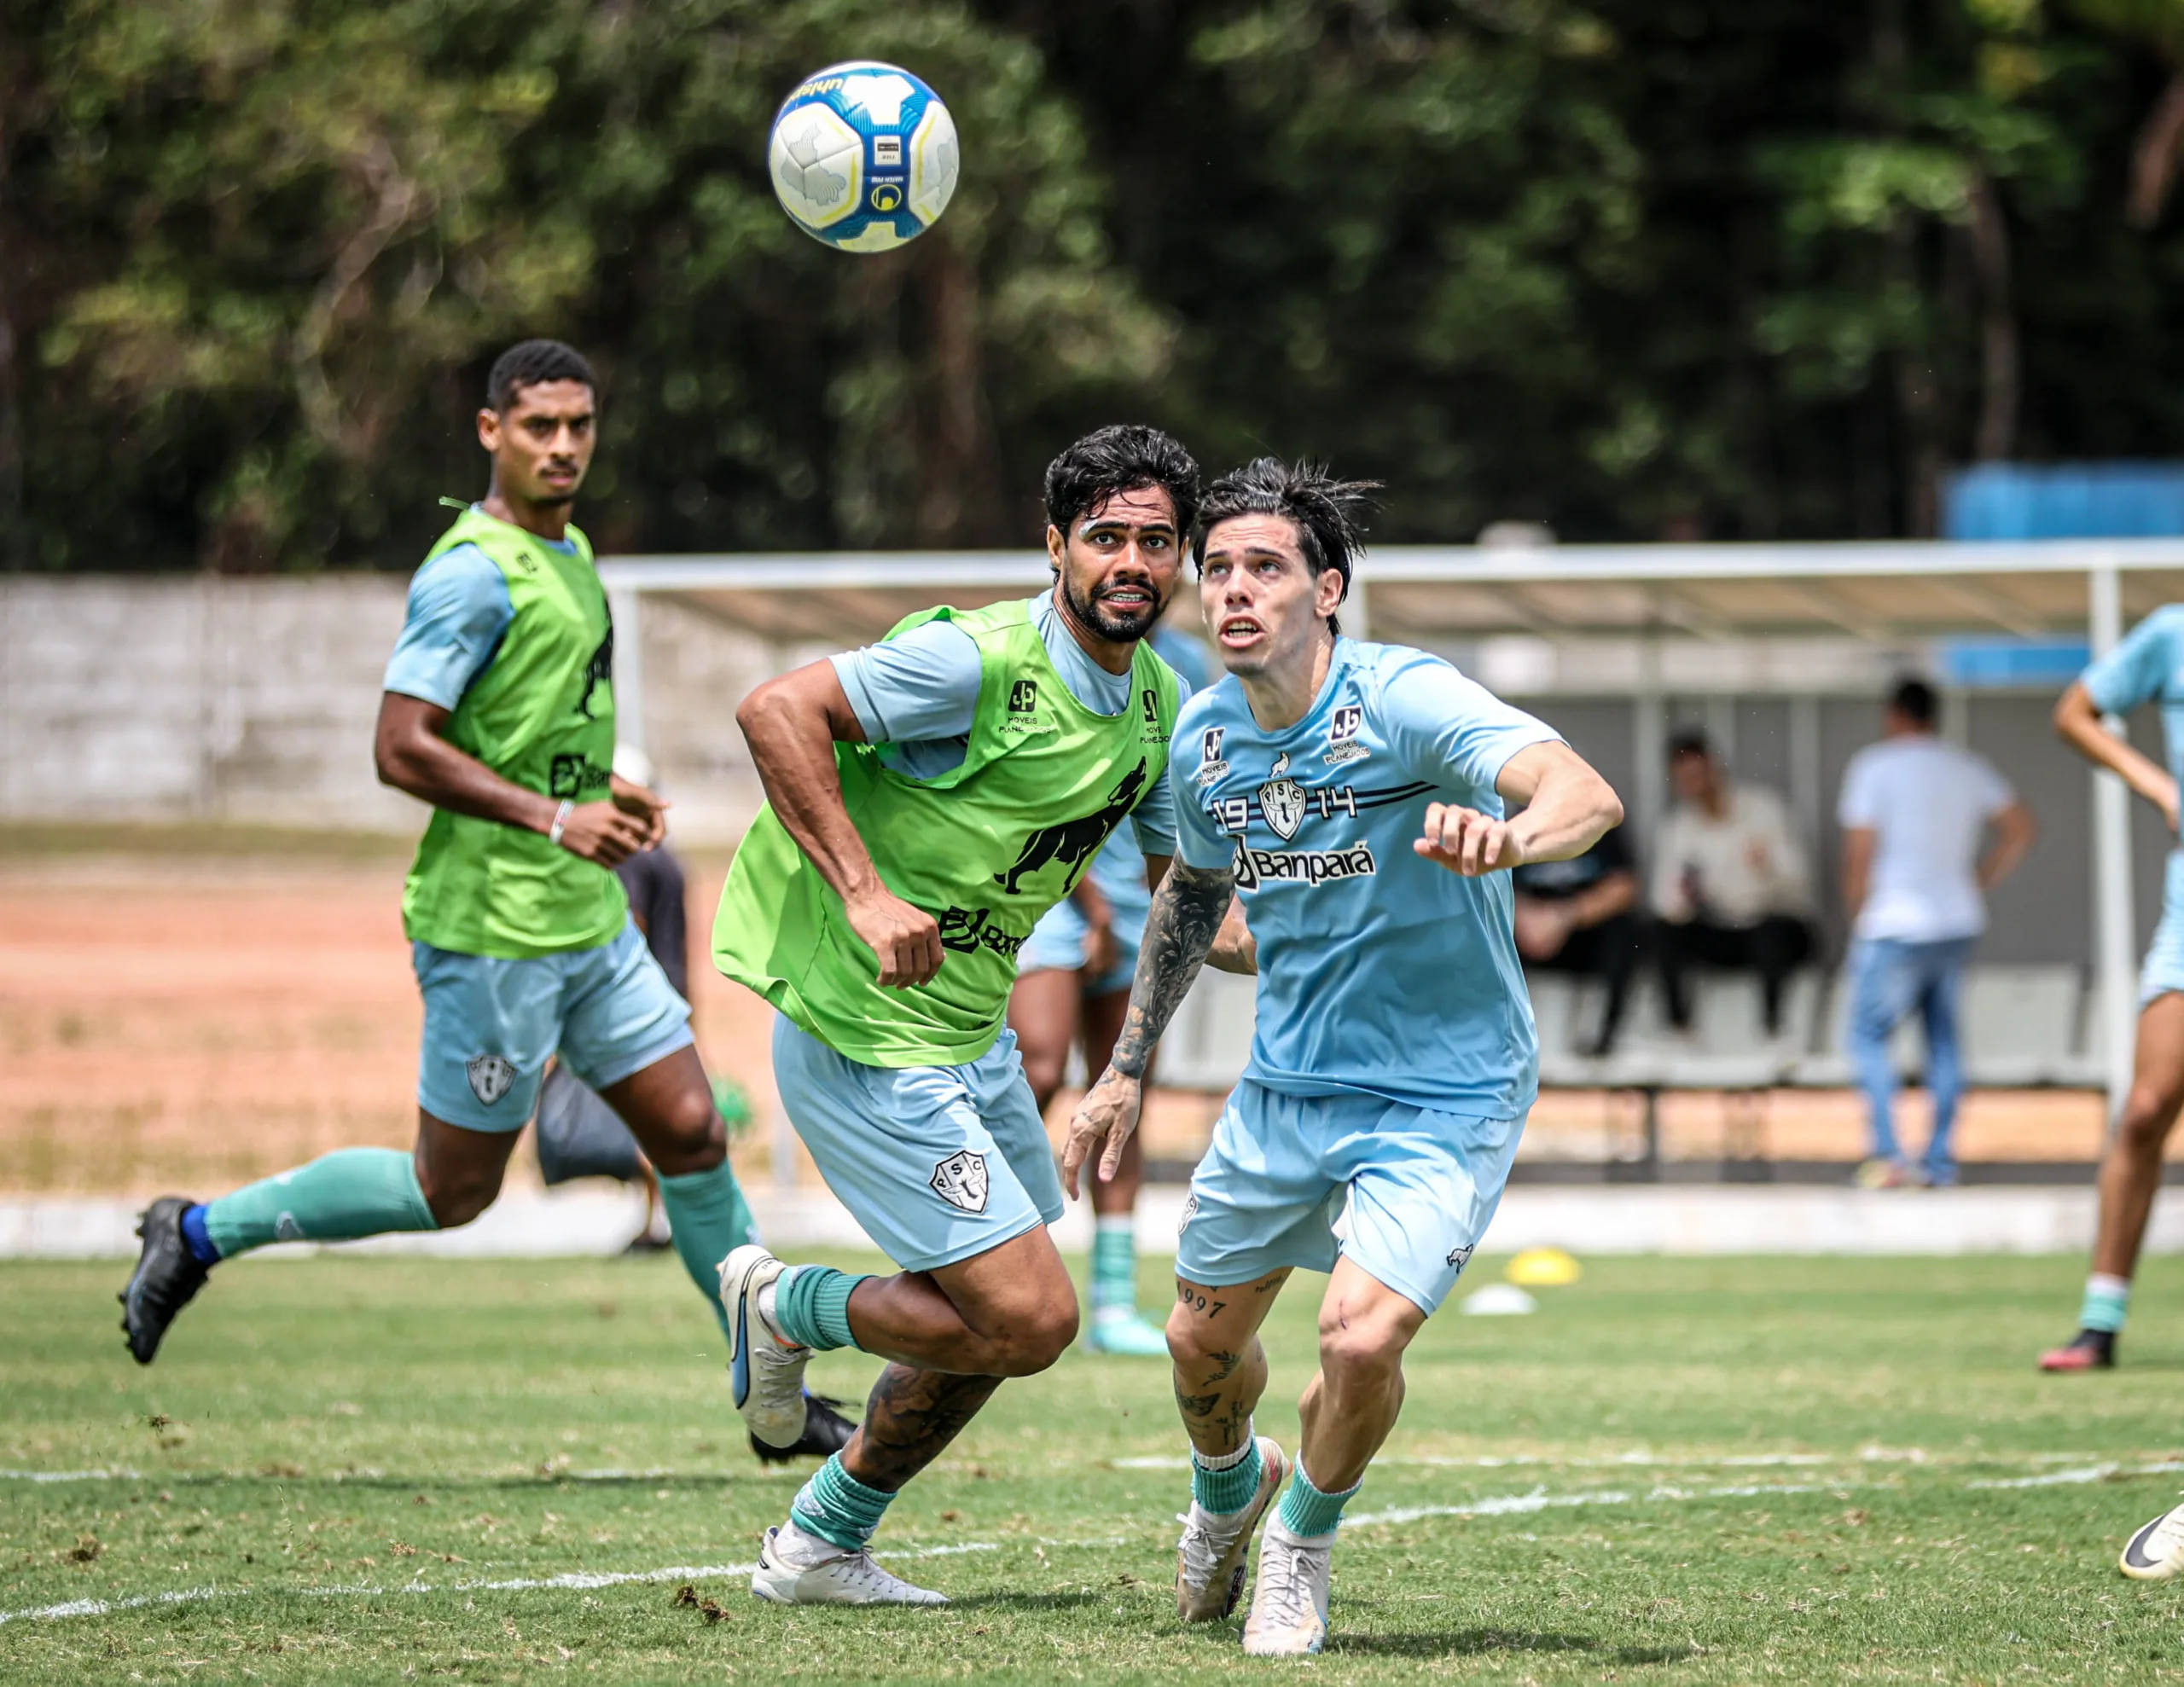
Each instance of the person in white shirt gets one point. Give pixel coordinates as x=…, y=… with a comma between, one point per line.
x=1731, y=888
x=1916, y=816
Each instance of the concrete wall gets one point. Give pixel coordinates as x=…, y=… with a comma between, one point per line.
x=252, y=702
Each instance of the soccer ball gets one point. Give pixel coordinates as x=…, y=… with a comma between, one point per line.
x=863, y=156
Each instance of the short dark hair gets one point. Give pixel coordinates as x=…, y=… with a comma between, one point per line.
x=533, y=361
x=1328, y=514
x=1914, y=699
x=1122, y=457
x=1690, y=741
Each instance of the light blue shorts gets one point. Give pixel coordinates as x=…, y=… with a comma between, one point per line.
x=2164, y=969
x=1421, y=1188
x=938, y=1163
x=1057, y=941
x=490, y=1025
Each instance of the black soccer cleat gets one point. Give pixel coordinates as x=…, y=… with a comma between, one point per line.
x=825, y=1431
x=167, y=1274
x=2087, y=1350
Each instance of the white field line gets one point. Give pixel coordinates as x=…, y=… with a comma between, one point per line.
x=71, y=1475
x=569, y=1579
x=2089, y=1473
x=1641, y=1459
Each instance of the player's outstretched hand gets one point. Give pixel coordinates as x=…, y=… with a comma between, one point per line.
x=1466, y=841
x=602, y=833
x=1107, y=1114
x=640, y=804
x=905, y=939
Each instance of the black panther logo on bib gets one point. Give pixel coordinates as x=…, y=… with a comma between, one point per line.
x=1074, y=842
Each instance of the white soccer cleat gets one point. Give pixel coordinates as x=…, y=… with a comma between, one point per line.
x=1289, y=1604
x=2156, y=1552
x=1215, y=1554
x=766, y=1373
x=796, y=1568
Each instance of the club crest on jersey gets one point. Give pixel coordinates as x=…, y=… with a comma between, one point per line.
x=490, y=1077
x=1461, y=1257
x=1282, y=800
x=960, y=1181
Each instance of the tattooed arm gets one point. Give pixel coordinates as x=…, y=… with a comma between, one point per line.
x=1188, y=910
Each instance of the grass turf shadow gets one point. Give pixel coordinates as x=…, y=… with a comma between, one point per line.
x=1476, y=1642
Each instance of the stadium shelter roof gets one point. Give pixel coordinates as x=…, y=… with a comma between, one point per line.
x=1884, y=592
x=1890, y=593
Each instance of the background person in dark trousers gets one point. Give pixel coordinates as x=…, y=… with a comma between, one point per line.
x=1732, y=888
x=1579, y=917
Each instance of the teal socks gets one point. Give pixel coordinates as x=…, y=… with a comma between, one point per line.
x=1114, y=1264
x=709, y=1218
x=1225, y=1485
x=2107, y=1302
x=811, y=1307
x=838, y=1508
x=1306, y=1512
x=341, y=1195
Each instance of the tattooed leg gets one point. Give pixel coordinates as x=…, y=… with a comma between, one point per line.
x=910, y=1418
x=1220, y=1365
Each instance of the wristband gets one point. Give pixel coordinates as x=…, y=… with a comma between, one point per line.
x=560, y=820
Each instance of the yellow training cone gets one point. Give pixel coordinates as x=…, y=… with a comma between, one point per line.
x=1543, y=1268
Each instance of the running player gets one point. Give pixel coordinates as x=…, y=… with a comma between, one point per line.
x=2148, y=666
x=1073, y=981
x=929, y=798
x=499, y=712
x=1354, y=796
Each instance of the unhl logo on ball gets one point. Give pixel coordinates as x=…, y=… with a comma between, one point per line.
x=886, y=196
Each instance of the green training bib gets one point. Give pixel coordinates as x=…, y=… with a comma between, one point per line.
x=986, y=849
x=541, y=715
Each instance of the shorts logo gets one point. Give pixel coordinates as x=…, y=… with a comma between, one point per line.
x=960, y=1181
x=1461, y=1257
x=1190, y=1212
x=1282, y=800
x=286, y=1229
x=490, y=1077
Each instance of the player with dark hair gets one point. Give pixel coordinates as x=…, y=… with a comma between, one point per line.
x=929, y=798
x=1353, y=796
x=498, y=710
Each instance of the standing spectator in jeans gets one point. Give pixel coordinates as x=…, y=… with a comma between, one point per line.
x=1577, y=916
x=1731, y=888
x=1915, y=813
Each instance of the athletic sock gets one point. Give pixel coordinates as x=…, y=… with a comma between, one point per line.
x=337, y=1197
x=1306, y=1512
x=2107, y=1301
x=1223, y=1483
x=710, y=1220
x=195, y=1237
x=1114, y=1265
x=811, y=1307
x=838, y=1508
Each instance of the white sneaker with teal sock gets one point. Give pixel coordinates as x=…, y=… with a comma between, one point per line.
x=1117, y=1326
x=765, y=1371
x=1289, y=1602
x=798, y=1568
x=1214, y=1556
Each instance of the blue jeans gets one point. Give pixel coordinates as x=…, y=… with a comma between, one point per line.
x=1888, y=980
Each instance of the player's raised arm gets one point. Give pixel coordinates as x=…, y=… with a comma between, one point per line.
x=1188, y=910
x=793, y=724
x=1566, y=808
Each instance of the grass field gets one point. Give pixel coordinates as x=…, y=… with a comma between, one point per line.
x=1679, y=1470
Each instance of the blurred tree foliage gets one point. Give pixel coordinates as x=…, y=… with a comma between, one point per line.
x=1631, y=267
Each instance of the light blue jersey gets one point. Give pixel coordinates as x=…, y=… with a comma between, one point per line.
x=459, y=611
x=2148, y=666
x=1380, y=973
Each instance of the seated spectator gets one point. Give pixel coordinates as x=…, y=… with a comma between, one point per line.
x=1578, y=916
x=1731, y=886
x=1915, y=814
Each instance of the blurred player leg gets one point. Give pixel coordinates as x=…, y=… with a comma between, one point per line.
x=2130, y=1175
x=1118, y=1326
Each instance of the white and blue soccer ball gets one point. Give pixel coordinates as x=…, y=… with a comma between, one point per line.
x=863, y=156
